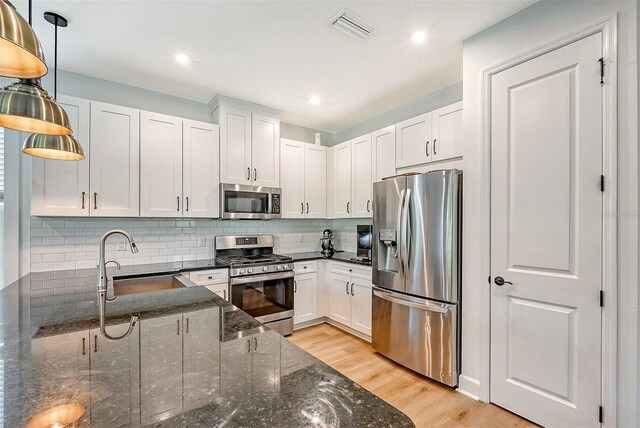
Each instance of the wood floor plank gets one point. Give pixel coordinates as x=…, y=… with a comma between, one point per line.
x=427, y=403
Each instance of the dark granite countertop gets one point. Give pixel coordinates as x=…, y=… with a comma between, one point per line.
x=192, y=360
x=346, y=257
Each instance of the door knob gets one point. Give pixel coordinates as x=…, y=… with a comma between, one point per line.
x=499, y=281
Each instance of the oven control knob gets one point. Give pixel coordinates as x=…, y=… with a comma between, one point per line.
x=279, y=267
x=249, y=270
x=265, y=268
x=242, y=272
x=286, y=267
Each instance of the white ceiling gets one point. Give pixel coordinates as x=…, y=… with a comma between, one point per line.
x=275, y=53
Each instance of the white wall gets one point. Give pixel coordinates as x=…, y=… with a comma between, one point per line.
x=541, y=23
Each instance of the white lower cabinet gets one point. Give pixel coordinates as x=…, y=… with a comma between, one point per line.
x=361, y=305
x=350, y=302
x=216, y=280
x=340, y=299
x=305, y=298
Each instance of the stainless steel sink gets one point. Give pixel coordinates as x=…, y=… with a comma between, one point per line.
x=146, y=284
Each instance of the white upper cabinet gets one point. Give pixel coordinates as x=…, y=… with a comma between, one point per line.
x=447, y=132
x=265, y=150
x=249, y=142
x=315, y=181
x=114, y=161
x=292, y=178
x=201, y=169
x=383, y=143
x=303, y=178
x=160, y=165
x=62, y=188
x=341, y=180
x=361, y=177
x=413, y=141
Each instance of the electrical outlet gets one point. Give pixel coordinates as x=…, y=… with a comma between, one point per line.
x=121, y=245
x=202, y=241
x=300, y=238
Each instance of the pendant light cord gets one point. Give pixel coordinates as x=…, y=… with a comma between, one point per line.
x=30, y=12
x=55, y=62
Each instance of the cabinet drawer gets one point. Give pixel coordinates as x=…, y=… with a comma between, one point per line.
x=206, y=277
x=352, y=270
x=306, y=267
x=220, y=289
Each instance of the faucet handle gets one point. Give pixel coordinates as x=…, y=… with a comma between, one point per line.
x=117, y=263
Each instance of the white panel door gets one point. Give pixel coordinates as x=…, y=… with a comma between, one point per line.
x=305, y=300
x=161, y=345
x=546, y=221
x=361, y=305
x=342, y=180
x=115, y=161
x=200, y=169
x=361, y=177
x=265, y=150
x=160, y=165
x=447, y=132
x=235, y=146
x=315, y=181
x=340, y=304
x=201, y=357
x=413, y=141
x=292, y=174
x=60, y=188
x=383, y=144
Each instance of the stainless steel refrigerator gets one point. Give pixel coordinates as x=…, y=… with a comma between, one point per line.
x=416, y=272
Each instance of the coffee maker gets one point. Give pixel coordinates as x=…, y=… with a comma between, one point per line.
x=326, y=243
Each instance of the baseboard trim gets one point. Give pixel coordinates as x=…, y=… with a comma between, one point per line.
x=329, y=321
x=469, y=386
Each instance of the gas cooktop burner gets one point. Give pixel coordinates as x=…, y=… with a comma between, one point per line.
x=252, y=259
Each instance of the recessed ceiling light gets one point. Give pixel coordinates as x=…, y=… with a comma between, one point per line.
x=183, y=58
x=314, y=100
x=418, y=36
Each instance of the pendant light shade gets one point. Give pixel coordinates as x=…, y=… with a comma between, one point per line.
x=59, y=147
x=21, y=54
x=25, y=106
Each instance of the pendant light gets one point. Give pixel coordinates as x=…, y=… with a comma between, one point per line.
x=25, y=106
x=20, y=49
x=60, y=147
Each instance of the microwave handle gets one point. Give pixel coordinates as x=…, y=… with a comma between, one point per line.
x=270, y=204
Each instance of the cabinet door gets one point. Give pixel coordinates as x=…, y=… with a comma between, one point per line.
x=201, y=356
x=383, y=143
x=235, y=145
x=265, y=150
x=62, y=188
x=160, y=165
x=340, y=299
x=220, y=290
x=235, y=368
x=342, y=180
x=315, y=181
x=361, y=178
x=413, y=141
x=265, y=366
x=447, y=132
x=115, y=377
x=114, y=162
x=361, y=305
x=201, y=169
x=59, y=372
x=305, y=301
x=160, y=368
x=292, y=176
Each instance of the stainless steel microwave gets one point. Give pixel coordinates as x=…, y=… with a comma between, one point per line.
x=249, y=202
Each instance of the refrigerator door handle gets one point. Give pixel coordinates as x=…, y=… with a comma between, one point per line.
x=398, y=252
x=406, y=239
x=412, y=302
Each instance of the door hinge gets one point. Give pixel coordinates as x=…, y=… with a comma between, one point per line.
x=602, y=183
x=601, y=61
x=600, y=414
x=602, y=298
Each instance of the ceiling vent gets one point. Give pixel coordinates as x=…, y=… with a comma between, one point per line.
x=351, y=24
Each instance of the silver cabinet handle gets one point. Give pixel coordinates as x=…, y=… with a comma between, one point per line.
x=224, y=293
x=249, y=345
x=178, y=199
x=307, y=207
x=95, y=343
x=255, y=174
x=248, y=173
x=347, y=287
x=178, y=330
x=187, y=325
x=368, y=203
x=84, y=350
x=187, y=207
x=295, y=286
x=95, y=200
x=255, y=343
x=352, y=288
x=426, y=149
x=348, y=207
x=434, y=146
x=301, y=207
x=83, y=193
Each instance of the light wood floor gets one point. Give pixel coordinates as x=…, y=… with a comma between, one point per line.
x=427, y=403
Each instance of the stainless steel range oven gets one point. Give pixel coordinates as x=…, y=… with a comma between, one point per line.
x=261, y=282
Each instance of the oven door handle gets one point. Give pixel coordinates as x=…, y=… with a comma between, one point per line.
x=258, y=278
